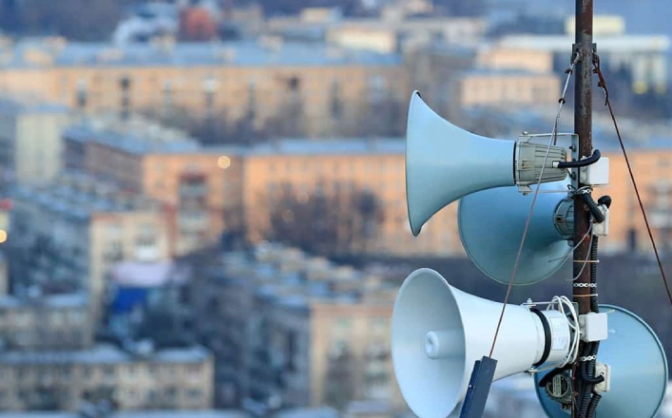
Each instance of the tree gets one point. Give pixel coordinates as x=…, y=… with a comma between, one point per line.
x=382, y=117
x=325, y=223
x=196, y=24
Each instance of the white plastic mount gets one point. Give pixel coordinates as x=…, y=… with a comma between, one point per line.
x=594, y=327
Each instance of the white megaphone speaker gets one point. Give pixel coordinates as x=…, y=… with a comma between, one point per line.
x=492, y=222
x=438, y=332
x=638, y=372
x=444, y=163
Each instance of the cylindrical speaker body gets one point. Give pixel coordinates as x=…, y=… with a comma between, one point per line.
x=639, y=371
x=434, y=374
x=492, y=222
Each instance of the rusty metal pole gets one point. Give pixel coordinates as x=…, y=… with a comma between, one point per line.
x=583, y=112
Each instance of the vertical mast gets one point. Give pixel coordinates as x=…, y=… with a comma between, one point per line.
x=583, y=110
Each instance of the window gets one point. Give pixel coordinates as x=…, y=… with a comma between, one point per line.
x=82, y=94
x=377, y=88
x=125, y=84
x=167, y=97
x=194, y=394
x=251, y=99
x=336, y=101
x=210, y=86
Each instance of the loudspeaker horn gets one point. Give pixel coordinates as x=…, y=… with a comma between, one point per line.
x=444, y=163
x=438, y=332
x=492, y=222
x=638, y=364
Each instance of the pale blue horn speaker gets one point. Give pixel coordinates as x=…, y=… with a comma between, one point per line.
x=491, y=225
x=638, y=370
x=444, y=163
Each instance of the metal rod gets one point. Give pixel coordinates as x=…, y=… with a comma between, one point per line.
x=583, y=99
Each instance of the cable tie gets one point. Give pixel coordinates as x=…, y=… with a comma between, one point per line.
x=593, y=285
x=587, y=358
x=586, y=296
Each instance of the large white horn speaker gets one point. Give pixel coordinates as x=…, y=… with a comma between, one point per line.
x=638, y=370
x=438, y=332
x=491, y=224
x=444, y=163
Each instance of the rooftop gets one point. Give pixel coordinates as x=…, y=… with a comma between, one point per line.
x=134, y=414
x=488, y=72
x=104, y=354
x=295, y=281
x=334, y=146
x=134, y=136
x=74, y=300
x=22, y=106
x=621, y=43
x=42, y=53
x=79, y=196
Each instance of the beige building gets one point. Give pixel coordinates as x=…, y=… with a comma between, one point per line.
x=408, y=30
x=338, y=167
x=495, y=57
x=207, y=191
x=260, y=82
x=179, y=379
x=199, y=189
x=432, y=69
x=58, y=322
x=66, y=235
x=30, y=140
x=295, y=331
x=505, y=89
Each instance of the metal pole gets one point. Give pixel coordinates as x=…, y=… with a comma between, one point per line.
x=583, y=99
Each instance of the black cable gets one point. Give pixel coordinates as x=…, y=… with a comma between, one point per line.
x=592, y=408
x=582, y=163
x=604, y=200
x=594, y=207
x=588, y=367
x=603, y=84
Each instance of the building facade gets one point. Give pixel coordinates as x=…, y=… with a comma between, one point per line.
x=344, y=168
x=198, y=188
x=30, y=140
x=57, y=322
x=291, y=331
x=505, y=89
x=265, y=83
x=66, y=235
x=61, y=380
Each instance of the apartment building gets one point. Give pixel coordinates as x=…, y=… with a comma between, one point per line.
x=53, y=322
x=258, y=81
x=66, y=235
x=290, y=330
x=30, y=139
x=200, y=189
x=344, y=166
x=177, y=378
x=505, y=89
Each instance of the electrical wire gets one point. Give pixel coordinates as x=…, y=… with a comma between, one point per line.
x=553, y=140
x=603, y=84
